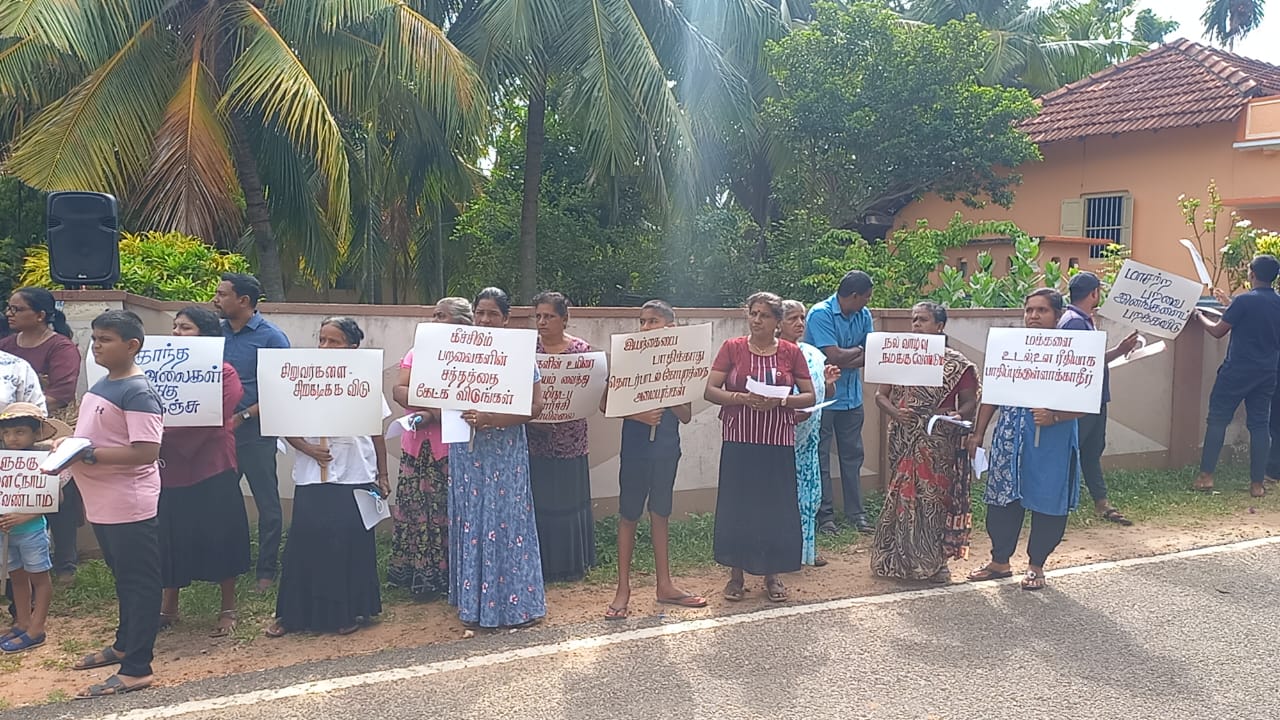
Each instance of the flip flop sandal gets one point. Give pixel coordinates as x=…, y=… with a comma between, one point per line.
x=10, y=633
x=221, y=630
x=686, y=600
x=613, y=613
x=985, y=573
x=21, y=642
x=777, y=591
x=1032, y=581
x=112, y=686
x=104, y=657
x=1117, y=517
x=734, y=592
x=276, y=630
x=349, y=629
x=168, y=620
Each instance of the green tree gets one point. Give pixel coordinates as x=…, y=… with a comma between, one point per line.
x=876, y=112
x=1044, y=46
x=204, y=116
x=1227, y=21
x=641, y=82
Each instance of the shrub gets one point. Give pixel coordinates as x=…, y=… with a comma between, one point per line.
x=164, y=266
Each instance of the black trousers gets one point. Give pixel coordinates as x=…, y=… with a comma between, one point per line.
x=1004, y=525
x=1093, y=441
x=256, y=457
x=132, y=551
x=63, y=526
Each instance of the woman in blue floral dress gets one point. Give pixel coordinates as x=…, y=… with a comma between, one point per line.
x=495, y=565
x=1035, y=465
x=808, y=478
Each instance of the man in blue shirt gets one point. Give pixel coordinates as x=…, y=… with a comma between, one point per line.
x=1085, y=291
x=838, y=326
x=1248, y=374
x=246, y=332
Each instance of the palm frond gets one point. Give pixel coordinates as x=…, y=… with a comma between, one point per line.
x=268, y=79
x=599, y=93
x=191, y=182
x=418, y=55
x=98, y=136
x=1226, y=21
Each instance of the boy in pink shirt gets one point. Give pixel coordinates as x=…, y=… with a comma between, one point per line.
x=120, y=482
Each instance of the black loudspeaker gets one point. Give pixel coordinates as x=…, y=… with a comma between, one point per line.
x=84, y=239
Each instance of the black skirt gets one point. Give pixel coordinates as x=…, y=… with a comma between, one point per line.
x=329, y=571
x=562, y=509
x=757, y=512
x=204, y=531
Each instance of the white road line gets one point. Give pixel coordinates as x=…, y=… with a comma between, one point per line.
x=499, y=658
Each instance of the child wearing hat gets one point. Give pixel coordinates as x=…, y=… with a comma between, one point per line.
x=23, y=426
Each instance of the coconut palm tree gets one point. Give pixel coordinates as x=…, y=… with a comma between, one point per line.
x=639, y=78
x=1226, y=21
x=1033, y=44
x=190, y=109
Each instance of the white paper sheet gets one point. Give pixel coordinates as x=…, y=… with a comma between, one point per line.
x=980, y=462
x=373, y=509
x=1138, y=354
x=400, y=427
x=66, y=452
x=770, y=391
x=815, y=408
x=928, y=430
x=453, y=429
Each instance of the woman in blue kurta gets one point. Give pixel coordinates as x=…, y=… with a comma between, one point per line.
x=1035, y=465
x=495, y=564
x=808, y=478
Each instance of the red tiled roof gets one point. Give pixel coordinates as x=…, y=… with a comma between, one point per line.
x=1179, y=84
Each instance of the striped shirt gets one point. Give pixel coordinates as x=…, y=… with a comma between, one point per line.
x=785, y=367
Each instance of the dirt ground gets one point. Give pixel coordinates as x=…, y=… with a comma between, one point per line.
x=185, y=653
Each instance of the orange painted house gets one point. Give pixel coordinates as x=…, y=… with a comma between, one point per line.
x=1121, y=145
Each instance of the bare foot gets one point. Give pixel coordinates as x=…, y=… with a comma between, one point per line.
x=1204, y=482
x=1257, y=490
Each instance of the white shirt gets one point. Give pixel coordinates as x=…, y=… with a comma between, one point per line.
x=19, y=382
x=355, y=461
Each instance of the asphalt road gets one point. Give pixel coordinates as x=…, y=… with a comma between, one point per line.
x=1184, y=637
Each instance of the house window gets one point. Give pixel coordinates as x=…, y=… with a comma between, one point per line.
x=1104, y=219
x=964, y=268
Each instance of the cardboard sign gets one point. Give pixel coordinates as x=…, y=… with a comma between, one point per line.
x=473, y=368
x=1151, y=300
x=572, y=385
x=320, y=393
x=185, y=371
x=1051, y=369
x=658, y=369
x=24, y=487
x=905, y=359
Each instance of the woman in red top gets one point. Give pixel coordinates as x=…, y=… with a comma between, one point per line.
x=204, y=531
x=757, y=512
x=41, y=336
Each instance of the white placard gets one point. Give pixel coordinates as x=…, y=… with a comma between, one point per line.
x=909, y=359
x=24, y=487
x=1201, y=270
x=320, y=393
x=185, y=371
x=1138, y=354
x=1051, y=369
x=473, y=368
x=572, y=385
x=658, y=369
x=1151, y=300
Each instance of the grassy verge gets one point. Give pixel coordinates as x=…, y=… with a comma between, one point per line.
x=1144, y=495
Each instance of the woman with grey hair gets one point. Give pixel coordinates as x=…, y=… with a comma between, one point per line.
x=808, y=478
x=419, y=559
